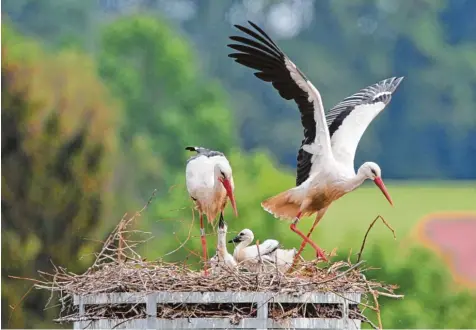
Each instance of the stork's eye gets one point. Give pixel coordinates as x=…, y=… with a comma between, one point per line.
x=222, y=174
x=241, y=234
x=373, y=171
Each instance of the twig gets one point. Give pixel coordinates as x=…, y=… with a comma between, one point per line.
x=394, y=296
x=186, y=240
x=108, y=242
x=18, y=304
x=27, y=279
x=368, y=230
x=260, y=260
x=340, y=274
x=152, y=196
x=121, y=242
x=377, y=306
x=366, y=319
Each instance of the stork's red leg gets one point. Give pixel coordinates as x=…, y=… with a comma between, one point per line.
x=319, y=216
x=204, y=244
x=320, y=253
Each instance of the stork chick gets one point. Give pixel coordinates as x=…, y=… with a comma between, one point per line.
x=222, y=259
x=269, y=252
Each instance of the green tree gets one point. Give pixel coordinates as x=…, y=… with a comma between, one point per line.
x=431, y=299
x=58, y=143
x=168, y=103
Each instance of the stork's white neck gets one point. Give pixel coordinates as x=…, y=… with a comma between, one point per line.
x=221, y=242
x=222, y=251
x=356, y=181
x=243, y=244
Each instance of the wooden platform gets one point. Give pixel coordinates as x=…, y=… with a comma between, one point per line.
x=262, y=301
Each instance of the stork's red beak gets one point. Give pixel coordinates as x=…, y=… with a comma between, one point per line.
x=378, y=181
x=229, y=192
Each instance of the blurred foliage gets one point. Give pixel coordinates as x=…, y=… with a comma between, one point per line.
x=58, y=140
x=170, y=92
x=341, y=46
x=431, y=299
x=168, y=104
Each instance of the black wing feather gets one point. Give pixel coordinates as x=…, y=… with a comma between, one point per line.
x=256, y=45
x=264, y=55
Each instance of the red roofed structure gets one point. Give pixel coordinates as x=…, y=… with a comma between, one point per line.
x=453, y=236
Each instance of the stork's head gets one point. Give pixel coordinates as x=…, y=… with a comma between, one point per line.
x=224, y=174
x=371, y=170
x=244, y=235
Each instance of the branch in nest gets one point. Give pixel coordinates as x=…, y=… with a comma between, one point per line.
x=260, y=260
x=367, y=233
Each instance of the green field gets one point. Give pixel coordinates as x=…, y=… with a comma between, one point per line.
x=347, y=219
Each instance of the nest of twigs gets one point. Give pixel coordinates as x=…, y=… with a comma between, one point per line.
x=138, y=276
x=119, y=268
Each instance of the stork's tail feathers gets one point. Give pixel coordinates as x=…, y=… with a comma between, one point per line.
x=200, y=150
x=282, y=206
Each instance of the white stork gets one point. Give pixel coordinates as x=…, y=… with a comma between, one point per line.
x=325, y=162
x=209, y=180
x=269, y=251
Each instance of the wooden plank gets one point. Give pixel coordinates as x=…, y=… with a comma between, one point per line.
x=215, y=297
x=224, y=323
x=262, y=299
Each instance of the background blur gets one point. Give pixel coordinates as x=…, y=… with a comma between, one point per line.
x=100, y=97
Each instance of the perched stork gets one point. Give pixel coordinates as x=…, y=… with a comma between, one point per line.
x=269, y=251
x=325, y=162
x=222, y=259
x=209, y=181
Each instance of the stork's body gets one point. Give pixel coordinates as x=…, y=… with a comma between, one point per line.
x=209, y=182
x=325, y=169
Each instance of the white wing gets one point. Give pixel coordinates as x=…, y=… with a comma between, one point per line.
x=199, y=176
x=265, y=248
x=349, y=119
x=285, y=257
x=282, y=259
x=320, y=145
